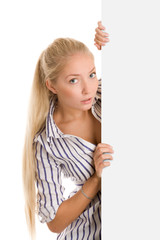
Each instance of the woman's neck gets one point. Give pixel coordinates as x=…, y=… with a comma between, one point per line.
x=67, y=114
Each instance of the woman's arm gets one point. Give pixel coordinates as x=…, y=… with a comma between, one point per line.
x=101, y=37
x=53, y=208
x=71, y=208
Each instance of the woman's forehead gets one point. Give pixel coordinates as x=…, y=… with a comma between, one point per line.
x=79, y=60
x=78, y=72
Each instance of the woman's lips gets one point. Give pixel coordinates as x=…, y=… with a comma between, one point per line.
x=87, y=100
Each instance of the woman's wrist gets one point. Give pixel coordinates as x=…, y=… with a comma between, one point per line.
x=97, y=180
x=85, y=194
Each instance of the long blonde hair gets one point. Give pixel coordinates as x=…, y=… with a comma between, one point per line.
x=50, y=64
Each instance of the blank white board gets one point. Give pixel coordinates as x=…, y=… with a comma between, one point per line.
x=131, y=120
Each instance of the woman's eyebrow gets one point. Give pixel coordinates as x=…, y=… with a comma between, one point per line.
x=92, y=69
x=74, y=74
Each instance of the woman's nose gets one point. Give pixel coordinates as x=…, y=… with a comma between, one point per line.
x=85, y=88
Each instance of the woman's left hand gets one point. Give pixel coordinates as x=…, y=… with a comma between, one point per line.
x=101, y=37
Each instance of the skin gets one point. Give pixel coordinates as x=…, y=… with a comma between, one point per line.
x=71, y=109
x=101, y=37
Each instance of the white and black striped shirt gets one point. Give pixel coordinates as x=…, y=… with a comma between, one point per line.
x=58, y=153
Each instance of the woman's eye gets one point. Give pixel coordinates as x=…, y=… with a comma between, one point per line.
x=72, y=80
x=92, y=75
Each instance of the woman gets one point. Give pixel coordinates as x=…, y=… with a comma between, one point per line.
x=64, y=136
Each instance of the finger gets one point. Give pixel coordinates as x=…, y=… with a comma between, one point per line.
x=106, y=164
x=99, y=42
x=107, y=156
x=100, y=25
x=104, y=145
x=99, y=47
x=101, y=39
x=99, y=167
x=103, y=157
x=99, y=153
x=101, y=162
x=99, y=32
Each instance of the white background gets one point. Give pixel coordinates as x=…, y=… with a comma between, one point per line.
x=131, y=120
x=26, y=28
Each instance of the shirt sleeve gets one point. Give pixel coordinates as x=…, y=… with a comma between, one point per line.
x=49, y=184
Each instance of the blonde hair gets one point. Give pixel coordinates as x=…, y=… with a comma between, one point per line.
x=50, y=64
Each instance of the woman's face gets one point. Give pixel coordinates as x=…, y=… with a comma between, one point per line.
x=77, y=82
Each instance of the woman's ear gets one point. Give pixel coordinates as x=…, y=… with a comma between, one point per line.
x=49, y=85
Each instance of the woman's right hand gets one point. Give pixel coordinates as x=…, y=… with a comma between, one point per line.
x=99, y=156
x=101, y=37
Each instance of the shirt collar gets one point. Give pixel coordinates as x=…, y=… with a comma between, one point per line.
x=51, y=128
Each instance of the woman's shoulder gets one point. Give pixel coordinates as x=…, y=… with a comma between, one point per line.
x=42, y=145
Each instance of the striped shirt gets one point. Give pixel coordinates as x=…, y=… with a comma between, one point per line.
x=56, y=154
